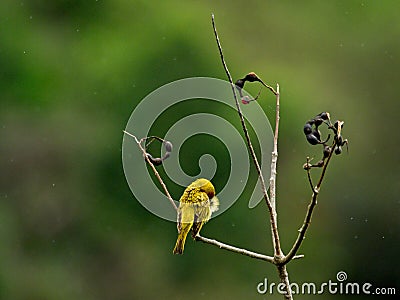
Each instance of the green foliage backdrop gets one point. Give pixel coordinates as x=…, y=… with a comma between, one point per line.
x=71, y=72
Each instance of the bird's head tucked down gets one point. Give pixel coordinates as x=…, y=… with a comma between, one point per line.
x=205, y=186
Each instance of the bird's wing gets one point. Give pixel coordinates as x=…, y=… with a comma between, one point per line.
x=185, y=214
x=179, y=218
x=202, y=210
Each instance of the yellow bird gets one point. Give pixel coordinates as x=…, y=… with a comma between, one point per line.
x=196, y=205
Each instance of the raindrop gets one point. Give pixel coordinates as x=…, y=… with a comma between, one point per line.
x=366, y=220
x=356, y=237
x=53, y=184
x=352, y=218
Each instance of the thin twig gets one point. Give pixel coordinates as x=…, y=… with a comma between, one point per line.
x=235, y=249
x=271, y=205
x=272, y=89
x=242, y=251
x=310, y=209
x=309, y=173
x=272, y=181
x=282, y=271
x=326, y=166
x=275, y=152
x=272, y=211
x=139, y=142
x=246, y=133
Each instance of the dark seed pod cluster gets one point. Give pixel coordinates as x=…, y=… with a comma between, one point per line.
x=313, y=136
x=159, y=160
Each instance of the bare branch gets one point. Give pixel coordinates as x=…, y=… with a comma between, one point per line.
x=139, y=143
x=272, y=181
x=310, y=209
x=284, y=276
x=239, y=110
x=272, y=211
x=272, y=89
x=245, y=252
x=235, y=249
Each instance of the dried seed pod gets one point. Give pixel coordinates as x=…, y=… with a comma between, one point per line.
x=307, y=128
x=239, y=83
x=168, y=146
x=327, y=151
x=167, y=154
x=317, y=134
x=324, y=116
x=155, y=161
x=318, y=121
x=338, y=150
x=312, y=139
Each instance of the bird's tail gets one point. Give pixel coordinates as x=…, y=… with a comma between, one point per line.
x=180, y=244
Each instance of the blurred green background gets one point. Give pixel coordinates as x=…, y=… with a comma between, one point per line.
x=71, y=72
